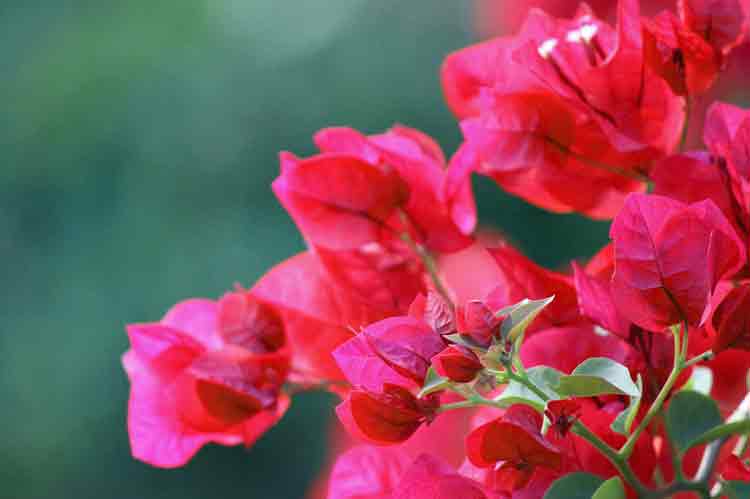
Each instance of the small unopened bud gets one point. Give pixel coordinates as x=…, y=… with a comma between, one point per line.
x=457, y=363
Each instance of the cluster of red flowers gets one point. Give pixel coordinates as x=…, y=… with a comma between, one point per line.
x=464, y=369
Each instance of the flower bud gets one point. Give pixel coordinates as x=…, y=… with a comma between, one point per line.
x=457, y=363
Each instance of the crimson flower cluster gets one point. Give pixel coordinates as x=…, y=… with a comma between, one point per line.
x=464, y=369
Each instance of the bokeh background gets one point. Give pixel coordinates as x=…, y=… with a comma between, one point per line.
x=138, y=142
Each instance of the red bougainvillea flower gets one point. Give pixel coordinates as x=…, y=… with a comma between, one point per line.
x=318, y=316
x=514, y=445
x=682, y=57
x=669, y=257
x=733, y=468
x=498, y=17
x=689, y=50
x=562, y=414
x=722, y=23
x=359, y=198
x=388, y=416
x=457, y=363
x=367, y=472
x=375, y=473
x=545, y=113
x=396, y=350
x=730, y=320
x=207, y=372
x=430, y=478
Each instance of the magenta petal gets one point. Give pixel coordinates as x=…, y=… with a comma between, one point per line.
x=197, y=317
x=367, y=472
x=157, y=435
x=430, y=478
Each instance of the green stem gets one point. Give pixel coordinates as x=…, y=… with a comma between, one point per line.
x=525, y=381
x=704, y=357
x=627, y=449
x=582, y=431
x=464, y=404
x=613, y=456
x=430, y=265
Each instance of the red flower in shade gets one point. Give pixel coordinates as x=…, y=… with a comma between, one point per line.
x=730, y=320
x=376, y=473
x=733, y=468
x=207, y=372
x=727, y=135
x=514, y=445
x=684, y=58
x=389, y=416
x=545, y=112
x=562, y=414
x=669, y=257
x=722, y=23
x=457, y=363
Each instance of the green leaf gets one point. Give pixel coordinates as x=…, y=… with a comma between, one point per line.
x=690, y=414
x=542, y=377
x=433, y=382
x=574, y=486
x=611, y=489
x=701, y=380
x=624, y=421
x=725, y=430
x=736, y=489
x=519, y=316
x=466, y=341
x=598, y=376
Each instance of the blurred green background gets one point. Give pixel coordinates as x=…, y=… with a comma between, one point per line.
x=138, y=143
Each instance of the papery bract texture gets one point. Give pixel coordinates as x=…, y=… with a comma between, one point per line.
x=669, y=257
x=566, y=115
x=207, y=372
x=317, y=315
x=515, y=440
